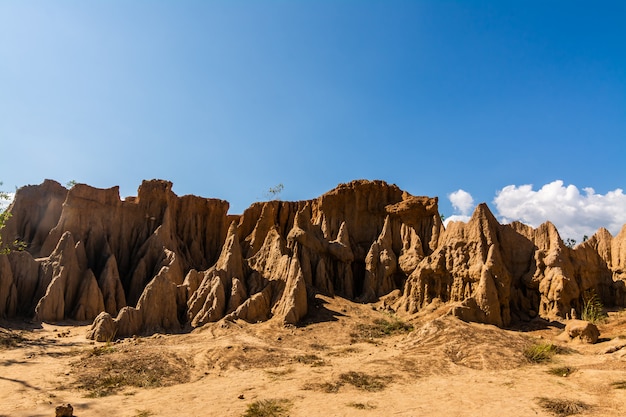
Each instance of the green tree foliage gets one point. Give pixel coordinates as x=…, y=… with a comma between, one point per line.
x=570, y=243
x=4, y=216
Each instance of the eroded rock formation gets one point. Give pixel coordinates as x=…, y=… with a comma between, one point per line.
x=159, y=262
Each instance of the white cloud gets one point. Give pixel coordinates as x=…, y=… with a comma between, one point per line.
x=574, y=213
x=462, y=201
x=5, y=203
x=456, y=218
x=463, y=204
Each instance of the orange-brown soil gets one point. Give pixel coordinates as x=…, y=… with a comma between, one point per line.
x=339, y=362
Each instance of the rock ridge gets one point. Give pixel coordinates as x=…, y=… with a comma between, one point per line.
x=160, y=262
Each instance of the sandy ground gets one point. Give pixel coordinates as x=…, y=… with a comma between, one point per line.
x=331, y=366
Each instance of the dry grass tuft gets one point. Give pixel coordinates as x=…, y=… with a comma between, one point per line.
x=310, y=359
x=358, y=380
x=106, y=372
x=593, y=310
x=361, y=406
x=540, y=352
x=275, y=373
x=563, y=371
x=379, y=329
x=102, y=350
x=344, y=351
x=327, y=387
x=268, y=408
x=364, y=381
x=244, y=357
x=561, y=407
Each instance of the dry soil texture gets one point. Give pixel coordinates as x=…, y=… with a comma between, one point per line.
x=348, y=359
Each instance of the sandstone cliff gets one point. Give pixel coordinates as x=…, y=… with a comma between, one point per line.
x=159, y=262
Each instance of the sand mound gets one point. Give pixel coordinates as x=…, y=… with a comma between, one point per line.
x=447, y=342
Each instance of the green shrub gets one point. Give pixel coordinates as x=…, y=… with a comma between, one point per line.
x=593, y=310
x=4, y=216
x=17, y=245
x=540, y=352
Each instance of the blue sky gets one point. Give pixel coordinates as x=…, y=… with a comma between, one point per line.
x=229, y=98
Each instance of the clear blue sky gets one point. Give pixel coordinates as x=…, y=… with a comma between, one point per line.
x=228, y=98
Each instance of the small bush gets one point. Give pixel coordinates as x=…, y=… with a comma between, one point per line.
x=268, y=408
x=560, y=407
x=540, y=352
x=17, y=244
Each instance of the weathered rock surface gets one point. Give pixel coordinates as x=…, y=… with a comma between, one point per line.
x=8, y=291
x=159, y=262
x=581, y=330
